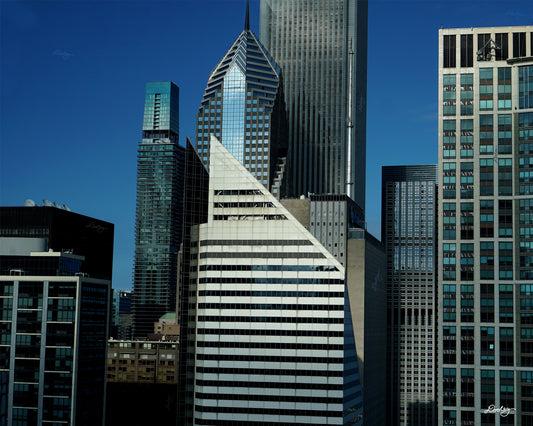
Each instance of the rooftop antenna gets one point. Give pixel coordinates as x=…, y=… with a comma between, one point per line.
x=247, y=17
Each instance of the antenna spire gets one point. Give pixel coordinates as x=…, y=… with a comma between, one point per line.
x=247, y=17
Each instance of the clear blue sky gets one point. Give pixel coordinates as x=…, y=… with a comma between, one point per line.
x=72, y=91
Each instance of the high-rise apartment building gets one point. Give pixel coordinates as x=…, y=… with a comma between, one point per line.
x=409, y=220
x=244, y=107
x=268, y=336
x=54, y=316
x=158, y=225
x=485, y=301
x=321, y=47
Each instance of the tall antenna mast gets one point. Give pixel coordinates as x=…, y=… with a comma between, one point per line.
x=349, y=127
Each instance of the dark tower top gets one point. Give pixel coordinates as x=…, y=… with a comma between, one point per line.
x=247, y=17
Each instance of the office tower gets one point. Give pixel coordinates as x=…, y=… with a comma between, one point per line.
x=53, y=316
x=243, y=106
x=321, y=47
x=158, y=226
x=270, y=337
x=485, y=250
x=408, y=229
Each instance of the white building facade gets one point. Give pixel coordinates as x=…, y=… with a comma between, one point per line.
x=274, y=339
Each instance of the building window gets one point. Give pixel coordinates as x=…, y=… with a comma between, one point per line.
x=502, y=42
x=467, y=50
x=525, y=93
x=449, y=51
x=519, y=45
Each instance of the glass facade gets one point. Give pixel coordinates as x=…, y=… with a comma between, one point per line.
x=312, y=40
x=158, y=224
x=243, y=106
x=409, y=213
x=484, y=252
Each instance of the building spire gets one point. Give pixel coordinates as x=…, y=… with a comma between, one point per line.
x=247, y=17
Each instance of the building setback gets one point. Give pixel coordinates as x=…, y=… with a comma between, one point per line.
x=409, y=220
x=158, y=225
x=485, y=303
x=243, y=106
x=312, y=41
x=269, y=338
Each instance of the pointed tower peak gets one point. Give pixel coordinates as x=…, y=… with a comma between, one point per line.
x=247, y=17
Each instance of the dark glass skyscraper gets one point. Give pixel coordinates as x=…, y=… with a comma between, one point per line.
x=243, y=106
x=408, y=218
x=313, y=42
x=158, y=225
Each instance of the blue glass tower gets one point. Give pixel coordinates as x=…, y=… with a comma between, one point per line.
x=243, y=106
x=159, y=208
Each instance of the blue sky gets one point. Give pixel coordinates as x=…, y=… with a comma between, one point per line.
x=72, y=79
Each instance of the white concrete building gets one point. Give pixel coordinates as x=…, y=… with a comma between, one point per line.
x=273, y=334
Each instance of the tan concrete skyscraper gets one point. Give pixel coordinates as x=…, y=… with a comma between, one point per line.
x=485, y=271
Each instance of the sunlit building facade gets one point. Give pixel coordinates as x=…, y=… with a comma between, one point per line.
x=269, y=337
x=158, y=224
x=485, y=298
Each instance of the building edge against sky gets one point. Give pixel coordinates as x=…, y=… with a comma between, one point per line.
x=316, y=85
x=285, y=312
x=485, y=305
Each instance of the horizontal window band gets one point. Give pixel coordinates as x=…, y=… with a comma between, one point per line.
x=289, y=268
x=270, y=345
x=268, y=255
x=257, y=293
x=211, y=422
x=269, y=358
x=260, y=280
x=281, y=398
x=263, y=332
x=255, y=242
x=251, y=217
x=271, y=306
x=269, y=385
x=303, y=320
x=269, y=372
x=271, y=411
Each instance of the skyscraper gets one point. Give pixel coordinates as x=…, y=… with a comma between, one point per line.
x=409, y=219
x=158, y=225
x=243, y=106
x=54, y=316
x=321, y=47
x=485, y=310
x=269, y=338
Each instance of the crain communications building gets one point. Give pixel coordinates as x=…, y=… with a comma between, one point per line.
x=267, y=334
x=485, y=296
